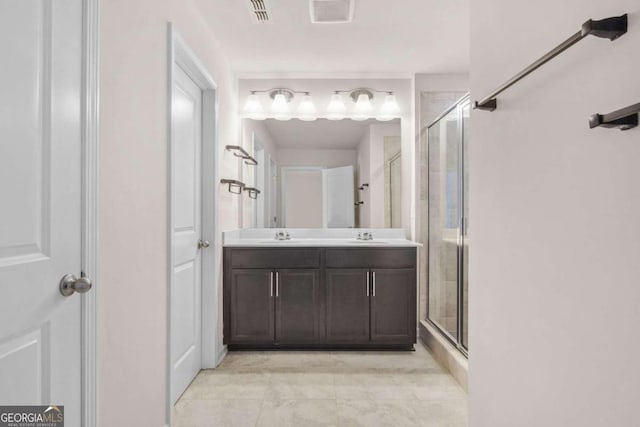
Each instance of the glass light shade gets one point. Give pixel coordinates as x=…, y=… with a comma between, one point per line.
x=336, y=109
x=390, y=109
x=363, y=108
x=306, y=109
x=280, y=108
x=253, y=108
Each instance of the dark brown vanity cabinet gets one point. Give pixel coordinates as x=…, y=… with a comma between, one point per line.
x=298, y=306
x=319, y=297
x=393, y=305
x=347, y=305
x=251, y=306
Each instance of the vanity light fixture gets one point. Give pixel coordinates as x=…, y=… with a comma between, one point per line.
x=280, y=108
x=363, y=109
x=336, y=110
x=306, y=109
x=390, y=108
x=253, y=108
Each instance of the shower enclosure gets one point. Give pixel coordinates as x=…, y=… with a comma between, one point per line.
x=448, y=223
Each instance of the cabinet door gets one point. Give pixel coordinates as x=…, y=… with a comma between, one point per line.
x=393, y=305
x=298, y=306
x=252, y=306
x=347, y=305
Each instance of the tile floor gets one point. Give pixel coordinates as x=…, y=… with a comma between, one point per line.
x=339, y=388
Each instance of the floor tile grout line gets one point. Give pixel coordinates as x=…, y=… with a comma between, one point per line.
x=260, y=410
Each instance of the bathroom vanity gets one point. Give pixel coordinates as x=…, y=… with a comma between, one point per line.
x=327, y=290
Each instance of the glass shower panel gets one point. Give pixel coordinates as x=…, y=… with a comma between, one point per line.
x=444, y=222
x=466, y=137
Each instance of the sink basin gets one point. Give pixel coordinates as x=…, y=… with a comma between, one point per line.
x=369, y=242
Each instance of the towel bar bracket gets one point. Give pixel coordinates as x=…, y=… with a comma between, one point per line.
x=608, y=28
x=623, y=119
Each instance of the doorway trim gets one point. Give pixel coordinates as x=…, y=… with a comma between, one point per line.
x=89, y=263
x=180, y=54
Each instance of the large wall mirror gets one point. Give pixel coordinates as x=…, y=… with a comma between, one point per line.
x=325, y=173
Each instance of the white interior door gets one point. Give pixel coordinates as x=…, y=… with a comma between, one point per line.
x=338, y=200
x=40, y=189
x=186, y=324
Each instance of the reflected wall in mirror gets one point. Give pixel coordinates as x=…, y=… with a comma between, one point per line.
x=324, y=173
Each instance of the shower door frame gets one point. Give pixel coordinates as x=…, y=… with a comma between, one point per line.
x=456, y=341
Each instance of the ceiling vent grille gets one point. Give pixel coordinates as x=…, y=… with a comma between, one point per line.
x=331, y=11
x=260, y=11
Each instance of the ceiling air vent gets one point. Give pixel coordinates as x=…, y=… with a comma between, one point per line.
x=260, y=11
x=331, y=11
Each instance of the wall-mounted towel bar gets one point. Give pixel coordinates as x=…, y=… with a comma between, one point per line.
x=235, y=186
x=609, y=28
x=253, y=192
x=240, y=152
x=623, y=119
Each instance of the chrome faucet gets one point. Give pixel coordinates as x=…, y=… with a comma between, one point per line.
x=367, y=235
x=283, y=235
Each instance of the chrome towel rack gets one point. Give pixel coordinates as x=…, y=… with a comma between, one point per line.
x=235, y=186
x=253, y=192
x=608, y=28
x=623, y=119
x=240, y=152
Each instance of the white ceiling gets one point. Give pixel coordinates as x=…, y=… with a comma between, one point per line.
x=386, y=37
x=319, y=134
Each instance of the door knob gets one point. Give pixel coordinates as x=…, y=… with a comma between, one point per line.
x=71, y=284
x=203, y=244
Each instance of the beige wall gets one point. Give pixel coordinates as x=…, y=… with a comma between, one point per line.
x=132, y=285
x=555, y=237
x=303, y=189
x=313, y=157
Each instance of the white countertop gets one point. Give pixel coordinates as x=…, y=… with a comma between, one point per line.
x=264, y=237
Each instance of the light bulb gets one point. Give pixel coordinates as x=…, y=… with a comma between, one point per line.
x=390, y=109
x=336, y=109
x=306, y=109
x=253, y=108
x=363, y=108
x=280, y=108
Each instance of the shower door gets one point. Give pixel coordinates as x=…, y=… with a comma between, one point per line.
x=448, y=213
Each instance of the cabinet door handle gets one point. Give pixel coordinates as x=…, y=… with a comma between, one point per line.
x=271, y=285
x=374, y=282
x=277, y=283
x=368, y=285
